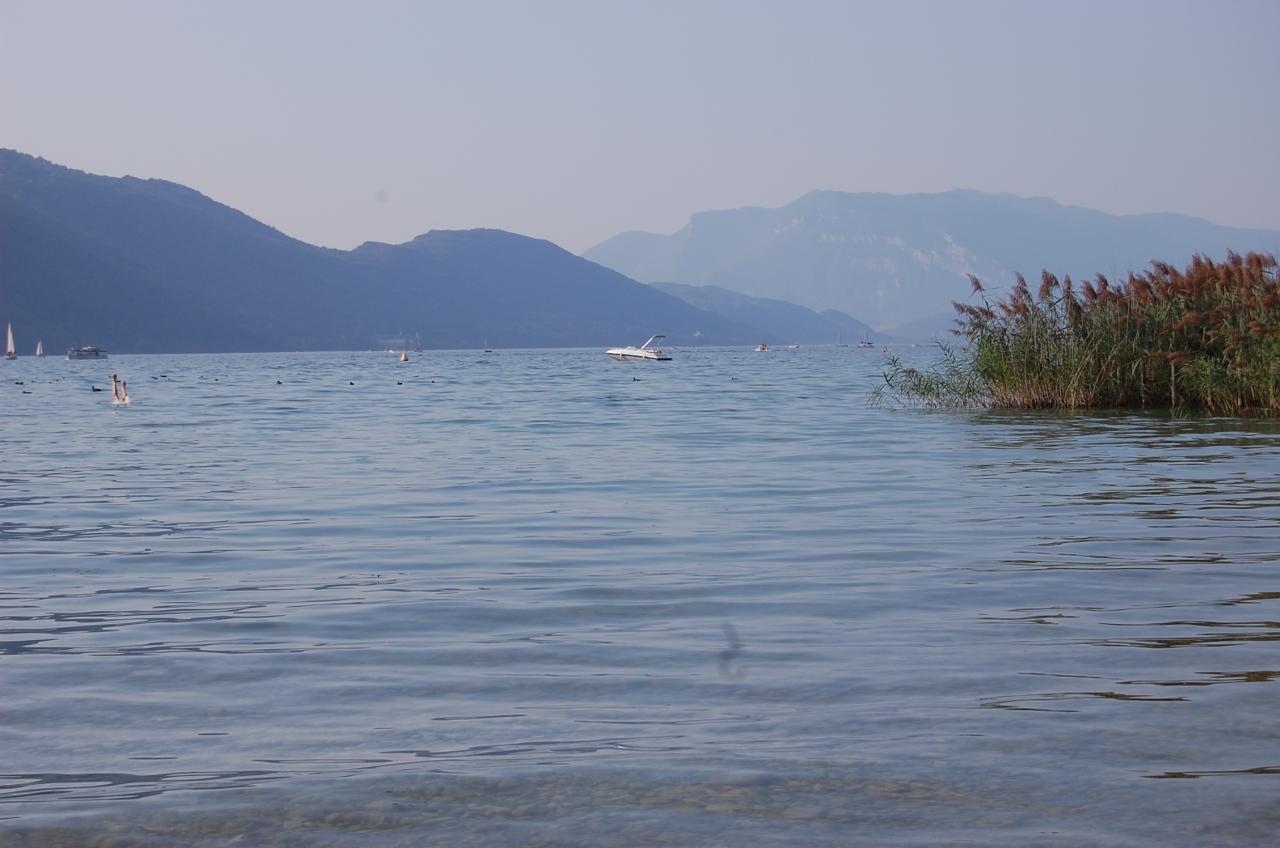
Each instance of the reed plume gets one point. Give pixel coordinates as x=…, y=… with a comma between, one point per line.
x=1206, y=338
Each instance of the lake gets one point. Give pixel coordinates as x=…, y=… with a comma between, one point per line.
x=543, y=598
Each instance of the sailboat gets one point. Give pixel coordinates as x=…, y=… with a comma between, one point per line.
x=865, y=341
x=40, y=348
x=10, y=352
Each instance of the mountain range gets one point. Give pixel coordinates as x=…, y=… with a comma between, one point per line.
x=895, y=260
x=144, y=265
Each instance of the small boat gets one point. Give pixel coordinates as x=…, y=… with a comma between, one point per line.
x=647, y=351
x=793, y=347
x=86, y=353
x=10, y=352
x=762, y=347
x=865, y=341
x=40, y=348
x=404, y=356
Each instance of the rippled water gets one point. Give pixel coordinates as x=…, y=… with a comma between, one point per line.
x=542, y=598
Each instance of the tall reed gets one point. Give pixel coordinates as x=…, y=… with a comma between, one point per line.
x=1207, y=338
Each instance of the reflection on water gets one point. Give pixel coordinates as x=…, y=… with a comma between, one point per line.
x=528, y=599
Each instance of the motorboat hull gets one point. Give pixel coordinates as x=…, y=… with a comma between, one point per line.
x=650, y=351
x=635, y=354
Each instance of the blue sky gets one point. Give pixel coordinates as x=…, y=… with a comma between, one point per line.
x=572, y=121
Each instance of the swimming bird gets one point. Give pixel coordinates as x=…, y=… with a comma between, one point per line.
x=278, y=383
x=94, y=389
x=351, y=383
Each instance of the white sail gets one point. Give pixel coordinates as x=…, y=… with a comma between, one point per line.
x=40, y=348
x=9, y=350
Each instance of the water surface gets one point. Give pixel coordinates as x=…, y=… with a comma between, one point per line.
x=542, y=598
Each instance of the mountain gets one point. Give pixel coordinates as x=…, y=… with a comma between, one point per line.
x=893, y=259
x=776, y=320
x=139, y=265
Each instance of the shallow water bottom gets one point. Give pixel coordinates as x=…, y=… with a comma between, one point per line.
x=803, y=804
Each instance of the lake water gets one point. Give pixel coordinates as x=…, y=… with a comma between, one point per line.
x=542, y=598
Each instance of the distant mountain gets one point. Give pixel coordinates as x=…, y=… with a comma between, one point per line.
x=135, y=265
x=940, y=326
x=776, y=320
x=892, y=259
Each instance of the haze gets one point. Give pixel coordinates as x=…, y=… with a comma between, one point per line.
x=573, y=121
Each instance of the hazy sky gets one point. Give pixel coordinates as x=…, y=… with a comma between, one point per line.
x=572, y=121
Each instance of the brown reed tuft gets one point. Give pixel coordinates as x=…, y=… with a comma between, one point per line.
x=1205, y=338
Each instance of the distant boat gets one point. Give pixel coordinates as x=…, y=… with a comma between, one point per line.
x=762, y=347
x=10, y=352
x=40, y=348
x=840, y=342
x=404, y=356
x=487, y=349
x=642, y=353
x=865, y=341
x=86, y=353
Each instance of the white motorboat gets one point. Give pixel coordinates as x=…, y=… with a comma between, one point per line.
x=647, y=351
x=762, y=347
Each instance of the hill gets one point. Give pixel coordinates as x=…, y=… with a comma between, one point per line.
x=777, y=320
x=895, y=259
x=139, y=265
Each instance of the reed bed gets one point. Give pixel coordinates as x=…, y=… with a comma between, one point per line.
x=1203, y=339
